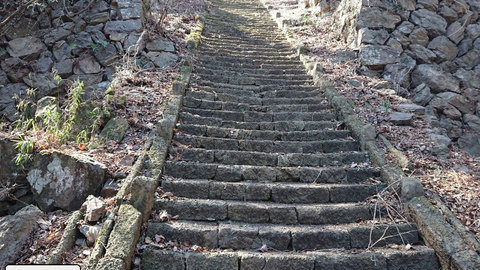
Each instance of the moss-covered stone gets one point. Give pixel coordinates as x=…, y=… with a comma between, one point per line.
x=124, y=236
x=110, y=264
x=114, y=130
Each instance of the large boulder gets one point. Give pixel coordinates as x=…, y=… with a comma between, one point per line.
x=60, y=180
x=435, y=24
x=434, y=77
x=377, y=56
x=15, y=231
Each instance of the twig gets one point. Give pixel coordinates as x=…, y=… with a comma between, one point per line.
x=16, y=12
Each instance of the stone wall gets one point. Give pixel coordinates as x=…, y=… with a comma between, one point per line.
x=85, y=46
x=429, y=50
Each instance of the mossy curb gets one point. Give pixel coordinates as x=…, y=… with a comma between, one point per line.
x=455, y=247
x=115, y=247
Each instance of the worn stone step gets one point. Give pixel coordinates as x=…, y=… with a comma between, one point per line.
x=257, y=77
x=267, y=66
x=328, y=146
x=236, y=173
x=229, y=46
x=230, y=157
x=256, y=90
x=250, y=58
x=192, y=102
x=190, y=119
x=279, y=64
x=264, y=212
x=418, y=258
x=205, y=47
x=254, y=100
x=275, y=192
x=252, y=116
x=251, y=72
x=241, y=236
x=265, y=135
x=214, y=80
x=235, y=42
x=245, y=53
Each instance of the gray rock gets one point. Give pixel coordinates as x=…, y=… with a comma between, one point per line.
x=411, y=188
x=15, y=233
x=472, y=94
x=428, y=4
x=464, y=46
x=404, y=40
x=80, y=42
x=443, y=48
x=3, y=78
x=64, y=68
x=395, y=44
x=63, y=180
x=56, y=35
x=61, y=50
x=15, y=68
x=114, y=130
x=162, y=59
x=453, y=127
x=123, y=26
x=107, y=55
x=22, y=27
x=419, y=36
x=44, y=83
x=435, y=78
x=160, y=44
x=129, y=13
x=94, y=208
x=405, y=27
x=422, y=94
x=87, y=65
x=431, y=21
x=476, y=44
x=468, y=78
x=98, y=18
x=7, y=103
x=43, y=64
x=442, y=100
x=401, y=119
x=422, y=54
x=411, y=108
x=118, y=36
x=440, y=144
x=29, y=47
x=399, y=73
x=449, y=14
x=455, y=32
x=469, y=60
x=377, y=56
x=470, y=143
x=98, y=37
x=473, y=31
x=130, y=43
x=472, y=122
x=374, y=18
x=90, y=232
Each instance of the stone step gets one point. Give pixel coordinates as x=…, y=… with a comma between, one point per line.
x=267, y=66
x=274, y=192
x=245, y=53
x=228, y=74
x=190, y=119
x=251, y=116
x=418, y=258
x=191, y=102
x=259, y=49
x=214, y=80
x=232, y=89
x=265, y=135
x=250, y=63
x=250, y=72
x=253, y=100
x=241, y=236
x=250, y=58
x=252, y=41
x=264, y=212
x=327, y=146
x=236, y=173
x=267, y=159
x=245, y=80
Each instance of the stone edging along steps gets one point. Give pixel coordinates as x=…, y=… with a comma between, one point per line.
x=288, y=212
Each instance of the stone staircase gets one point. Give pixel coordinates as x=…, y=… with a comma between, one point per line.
x=260, y=162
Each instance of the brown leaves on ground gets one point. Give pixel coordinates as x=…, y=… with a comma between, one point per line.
x=456, y=179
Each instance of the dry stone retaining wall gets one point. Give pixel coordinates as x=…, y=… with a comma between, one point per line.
x=429, y=50
x=86, y=46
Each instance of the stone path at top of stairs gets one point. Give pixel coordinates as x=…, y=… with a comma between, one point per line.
x=258, y=161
